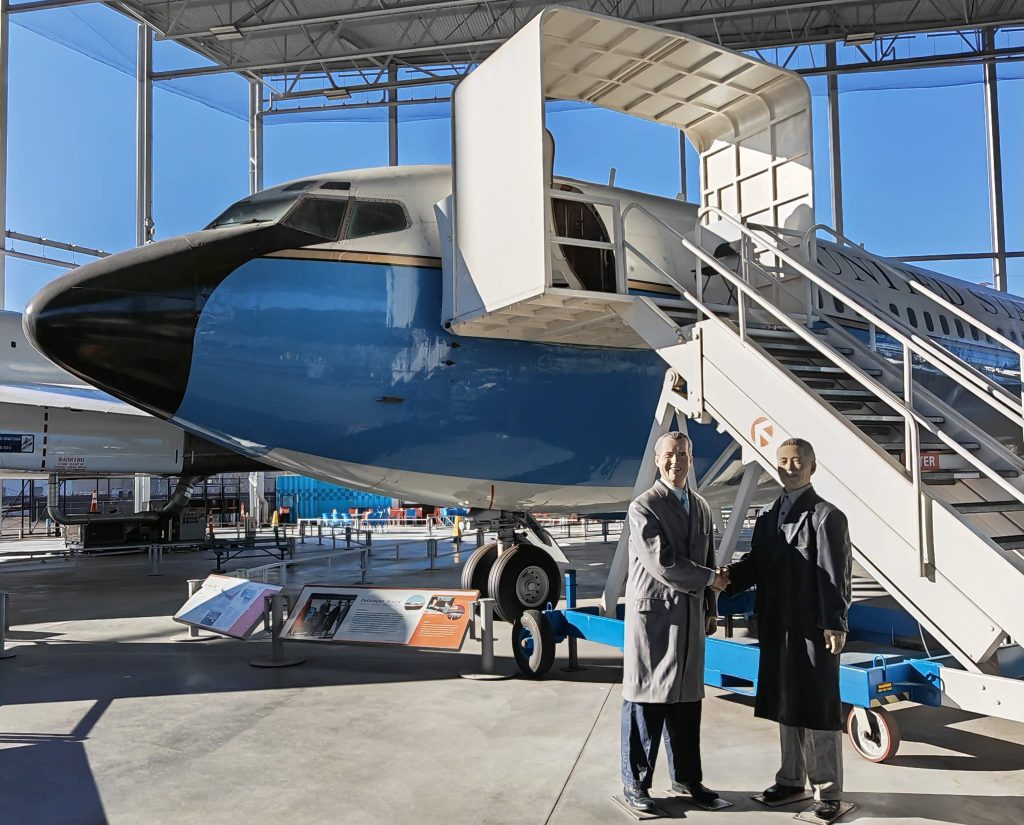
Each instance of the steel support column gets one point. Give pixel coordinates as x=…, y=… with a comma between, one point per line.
x=995, y=165
x=144, y=138
x=392, y=116
x=142, y=493
x=255, y=137
x=5, y=54
x=835, y=157
x=682, y=166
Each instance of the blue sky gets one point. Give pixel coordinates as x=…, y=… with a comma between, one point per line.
x=914, y=160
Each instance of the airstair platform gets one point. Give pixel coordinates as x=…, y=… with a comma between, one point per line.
x=743, y=332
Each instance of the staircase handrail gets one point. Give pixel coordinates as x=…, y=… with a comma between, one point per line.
x=810, y=237
x=911, y=416
x=945, y=362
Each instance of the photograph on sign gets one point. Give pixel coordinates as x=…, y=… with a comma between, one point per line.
x=381, y=615
x=227, y=605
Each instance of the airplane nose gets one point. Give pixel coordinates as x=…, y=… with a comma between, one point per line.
x=126, y=323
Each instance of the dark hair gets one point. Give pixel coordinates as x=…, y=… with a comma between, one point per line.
x=806, y=450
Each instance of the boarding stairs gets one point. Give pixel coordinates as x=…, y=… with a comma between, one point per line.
x=935, y=502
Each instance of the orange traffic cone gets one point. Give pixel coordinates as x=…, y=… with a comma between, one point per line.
x=94, y=505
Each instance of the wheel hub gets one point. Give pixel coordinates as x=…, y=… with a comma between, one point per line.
x=532, y=586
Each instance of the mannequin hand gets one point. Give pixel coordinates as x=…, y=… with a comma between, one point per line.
x=834, y=641
x=710, y=625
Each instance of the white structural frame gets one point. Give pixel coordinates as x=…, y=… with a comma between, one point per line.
x=750, y=123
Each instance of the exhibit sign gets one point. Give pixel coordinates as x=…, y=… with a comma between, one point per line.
x=227, y=605
x=17, y=443
x=381, y=615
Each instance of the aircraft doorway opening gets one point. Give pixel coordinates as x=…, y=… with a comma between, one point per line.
x=594, y=268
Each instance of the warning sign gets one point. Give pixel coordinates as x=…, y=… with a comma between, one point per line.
x=17, y=443
x=762, y=431
x=929, y=461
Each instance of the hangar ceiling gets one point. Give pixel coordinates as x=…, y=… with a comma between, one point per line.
x=259, y=37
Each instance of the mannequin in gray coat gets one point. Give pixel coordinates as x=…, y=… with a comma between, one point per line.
x=670, y=607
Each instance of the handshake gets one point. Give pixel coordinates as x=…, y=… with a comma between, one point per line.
x=722, y=580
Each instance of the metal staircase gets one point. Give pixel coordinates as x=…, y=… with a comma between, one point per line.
x=946, y=544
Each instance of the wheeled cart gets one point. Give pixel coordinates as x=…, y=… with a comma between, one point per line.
x=875, y=673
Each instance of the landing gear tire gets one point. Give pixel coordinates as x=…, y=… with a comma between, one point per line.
x=533, y=644
x=877, y=742
x=478, y=567
x=522, y=578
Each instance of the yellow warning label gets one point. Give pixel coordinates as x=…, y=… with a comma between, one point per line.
x=883, y=687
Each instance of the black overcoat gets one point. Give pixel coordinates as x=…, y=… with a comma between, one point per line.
x=802, y=573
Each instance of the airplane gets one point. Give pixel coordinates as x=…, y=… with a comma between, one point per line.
x=53, y=426
x=303, y=328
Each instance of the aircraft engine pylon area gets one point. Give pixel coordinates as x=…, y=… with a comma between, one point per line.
x=515, y=268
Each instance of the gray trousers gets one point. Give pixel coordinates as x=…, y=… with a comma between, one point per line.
x=815, y=755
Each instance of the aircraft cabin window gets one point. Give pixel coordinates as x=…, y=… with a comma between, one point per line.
x=337, y=185
x=912, y=317
x=299, y=186
x=974, y=334
x=959, y=328
x=376, y=218
x=1013, y=336
x=894, y=310
x=319, y=216
x=944, y=324
x=928, y=321
x=838, y=304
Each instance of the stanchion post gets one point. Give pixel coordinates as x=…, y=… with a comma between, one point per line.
x=277, y=657
x=432, y=552
x=398, y=552
x=369, y=539
x=365, y=565
x=486, y=636
x=479, y=536
x=193, y=588
x=291, y=547
x=4, y=653
x=319, y=533
x=604, y=531
x=348, y=536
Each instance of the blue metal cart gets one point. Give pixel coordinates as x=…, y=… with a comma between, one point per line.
x=867, y=681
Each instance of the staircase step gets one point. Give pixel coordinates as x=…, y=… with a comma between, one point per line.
x=971, y=507
x=1010, y=542
x=953, y=476
x=878, y=418
x=815, y=369
x=848, y=395
x=801, y=348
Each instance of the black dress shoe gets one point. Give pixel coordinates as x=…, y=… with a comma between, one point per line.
x=638, y=799
x=827, y=809
x=696, y=791
x=780, y=793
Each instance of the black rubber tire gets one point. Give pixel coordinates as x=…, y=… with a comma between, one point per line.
x=533, y=644
x=478, y=567
x=523, y=560
x=879, y=744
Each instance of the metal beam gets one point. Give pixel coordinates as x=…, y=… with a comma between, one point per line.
x=392, y=116
x=995, y=166
x=835, y=157
x=41, y=5
x=255, y=137
x=144, y=138
x=682, y=165
x=437, y=48
x=5, y=59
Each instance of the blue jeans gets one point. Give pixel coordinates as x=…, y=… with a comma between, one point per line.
x=643, y=725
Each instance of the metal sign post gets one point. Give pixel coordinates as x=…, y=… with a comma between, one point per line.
x=487, y=673
x=275, y=616
x=4, y=654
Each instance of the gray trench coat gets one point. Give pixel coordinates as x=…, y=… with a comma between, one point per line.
x=671, y=564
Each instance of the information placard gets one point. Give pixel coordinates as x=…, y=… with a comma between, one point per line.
x=381, y=615
x=227, y=605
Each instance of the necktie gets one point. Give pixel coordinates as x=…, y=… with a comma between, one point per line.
x=784, y=509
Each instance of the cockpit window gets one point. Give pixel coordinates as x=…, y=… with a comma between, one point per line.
x=254, y=211
x=376, y=218
x=322, y=217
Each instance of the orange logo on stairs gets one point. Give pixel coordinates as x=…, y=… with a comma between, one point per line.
x=762, y=431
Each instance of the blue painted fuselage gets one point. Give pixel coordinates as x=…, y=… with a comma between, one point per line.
x=349, y=361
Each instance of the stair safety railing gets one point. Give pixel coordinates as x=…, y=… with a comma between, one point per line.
x=614, y=246
x=809, y=246
x=914, y=421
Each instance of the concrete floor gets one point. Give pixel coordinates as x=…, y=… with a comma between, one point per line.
x=108, y=715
